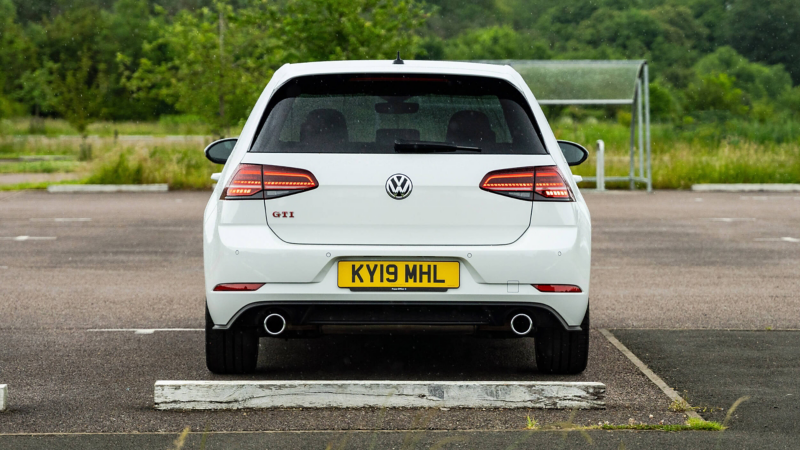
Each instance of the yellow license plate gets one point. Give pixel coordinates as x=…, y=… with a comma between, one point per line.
x=399, y=275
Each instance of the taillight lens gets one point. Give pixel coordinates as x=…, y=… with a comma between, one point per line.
x=246, y=183
x=517, y=183
x=280, y=181
x=254, y=181
x=543, y=183
x=550, y=185
x=556, y=288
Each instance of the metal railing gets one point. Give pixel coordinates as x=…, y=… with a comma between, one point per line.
x=600, y=170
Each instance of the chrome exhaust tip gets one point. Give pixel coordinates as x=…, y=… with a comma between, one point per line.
x=521, y=324
x=275, y=324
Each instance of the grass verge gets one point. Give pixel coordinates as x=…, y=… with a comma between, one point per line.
x=182, y=165
x=681, y=158
x=690, y=425
x=40, y=167
x=167, y=125
x=34, y=186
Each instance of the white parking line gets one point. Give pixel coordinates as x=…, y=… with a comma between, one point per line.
x=732, y=219
x=144, y=330
x=61, y=219
x=27, y=238
x=668, y=391
x=780, y=239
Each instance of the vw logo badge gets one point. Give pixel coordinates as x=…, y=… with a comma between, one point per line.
x=399, y=186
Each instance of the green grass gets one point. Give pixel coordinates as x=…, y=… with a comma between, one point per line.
x=41, y=167
x=23, y=186
x=685, y=164
x=167, y=125
x=690, y=425
x=180, y=166
x=38, y=185
x=682, y=156
x=11, y=148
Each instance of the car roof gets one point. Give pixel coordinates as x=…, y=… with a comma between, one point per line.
x=289, y=71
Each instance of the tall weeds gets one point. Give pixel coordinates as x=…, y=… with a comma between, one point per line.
x=682, y=156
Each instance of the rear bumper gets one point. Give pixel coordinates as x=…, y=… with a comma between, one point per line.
x=240, y=248
x=297, y=300
x=312, y=318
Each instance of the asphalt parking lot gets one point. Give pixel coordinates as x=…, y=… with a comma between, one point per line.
x=667, y=268
x=715, y=368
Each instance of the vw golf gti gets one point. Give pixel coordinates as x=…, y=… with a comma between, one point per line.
x=389, y=196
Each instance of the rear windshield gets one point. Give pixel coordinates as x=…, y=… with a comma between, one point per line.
x=369, y=113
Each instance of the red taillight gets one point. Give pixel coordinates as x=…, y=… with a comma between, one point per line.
x=245, y=183
x=551, y=185
x=556, y=288
x=517, y=183
x=543, y=183
x=238, y=287
x=266, y=182
x=280, y=181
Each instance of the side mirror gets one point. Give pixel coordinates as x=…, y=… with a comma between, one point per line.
x=573, y=153
x=219, y=151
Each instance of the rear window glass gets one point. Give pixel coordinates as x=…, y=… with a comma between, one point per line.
x=369, y=113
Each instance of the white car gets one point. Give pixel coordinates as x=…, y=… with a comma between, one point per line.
x=389, y=196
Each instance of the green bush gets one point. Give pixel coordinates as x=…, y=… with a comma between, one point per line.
x=180, y=166
x=119, y=171
x=495, y=43
x=716, y=94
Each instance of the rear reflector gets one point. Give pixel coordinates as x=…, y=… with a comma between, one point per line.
x=252, y=181
x=238, y=287
x=543, y=183
x=556, y=288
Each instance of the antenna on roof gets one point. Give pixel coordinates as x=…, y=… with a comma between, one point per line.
x=398, y=60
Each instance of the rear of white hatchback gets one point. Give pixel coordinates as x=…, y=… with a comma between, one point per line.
x=386, y=197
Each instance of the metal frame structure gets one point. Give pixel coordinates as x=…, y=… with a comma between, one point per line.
x=640, y=116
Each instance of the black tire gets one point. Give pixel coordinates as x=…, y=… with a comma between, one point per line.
x=230, y=351
x=562, y=352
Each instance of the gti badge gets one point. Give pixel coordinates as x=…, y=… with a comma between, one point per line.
x=399, y=186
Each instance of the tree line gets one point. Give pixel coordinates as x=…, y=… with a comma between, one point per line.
x=86, y=60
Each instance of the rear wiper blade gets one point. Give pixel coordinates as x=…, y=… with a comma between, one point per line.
x=404, y=146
